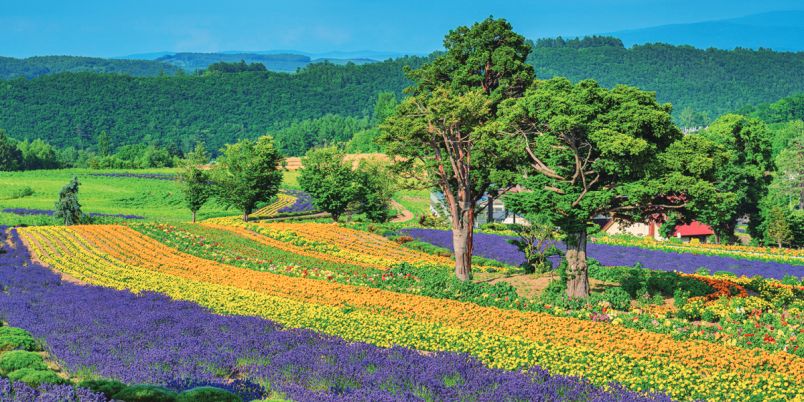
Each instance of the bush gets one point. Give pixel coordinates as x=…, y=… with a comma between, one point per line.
x=35, y=378
x=208, y=394
x=146, y=393
x=20, y=359
x=13, y=331
x=106, y=387
x=618, y=297
x=21, y=342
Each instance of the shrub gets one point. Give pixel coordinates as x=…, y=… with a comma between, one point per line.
x=13, y=331
x=35, y=378
x=618, y=298
x=208, y=394
x=146, y=393
x=106, y=387
x=22, y=342
x=20, y=359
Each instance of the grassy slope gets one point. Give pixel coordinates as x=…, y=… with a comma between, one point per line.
x=157, y=200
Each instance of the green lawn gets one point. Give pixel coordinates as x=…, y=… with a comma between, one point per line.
x=158, y=200
x=416, y=201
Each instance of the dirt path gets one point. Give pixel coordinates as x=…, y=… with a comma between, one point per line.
x=404, y=214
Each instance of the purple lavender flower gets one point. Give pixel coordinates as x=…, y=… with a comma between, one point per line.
x=20, y=392
x=151, y=176
x=150, y=338
x=304, y=203
x=499, y=248
x=46, y=212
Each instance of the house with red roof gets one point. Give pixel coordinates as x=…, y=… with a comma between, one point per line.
x=650, y=228
x=693, y=230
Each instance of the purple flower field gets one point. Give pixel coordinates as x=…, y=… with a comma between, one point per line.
x=151, y=176
x=150, y=338
x=20, y=392
x=304, y=203
x=498, y=248
x=47, y=212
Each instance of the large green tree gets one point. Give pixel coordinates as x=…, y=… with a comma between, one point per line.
x=10, y=155
x=440, y=131
x=745, y=172
x=329, y=180
x=592, y=151
x=248, y=172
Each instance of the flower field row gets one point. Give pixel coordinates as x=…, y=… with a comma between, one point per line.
x=120, y=258
x=784, y=255
x=248, y=251
x=282, y=201
x=118, y=340
x=498, y=247
x=348, y=244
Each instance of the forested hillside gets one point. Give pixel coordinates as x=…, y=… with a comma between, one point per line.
x=42, y=65
x=217, y=108
x=288, y=63
x=707, y=81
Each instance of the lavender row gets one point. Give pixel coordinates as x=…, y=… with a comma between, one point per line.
x=152, y=176
x=499, y=248
x=47, y=212
x=20, y=392
x=304, y=203
x=149, y=338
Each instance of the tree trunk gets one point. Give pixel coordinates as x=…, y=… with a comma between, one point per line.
x=490, y=210
x=577, y=269
x=245, y=216
x=193, y=216
x=462, y=246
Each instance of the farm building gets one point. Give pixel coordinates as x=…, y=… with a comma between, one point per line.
x=685, y=232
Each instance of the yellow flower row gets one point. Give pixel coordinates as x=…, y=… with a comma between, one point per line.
x=121, y=258
x=282, y=200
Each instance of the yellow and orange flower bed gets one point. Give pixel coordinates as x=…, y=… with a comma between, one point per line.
x=332, y=242
x=121, y=258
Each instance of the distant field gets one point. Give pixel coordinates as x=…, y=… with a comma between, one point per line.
x=151, y=198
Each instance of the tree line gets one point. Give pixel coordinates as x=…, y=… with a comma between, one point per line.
x=71, y=109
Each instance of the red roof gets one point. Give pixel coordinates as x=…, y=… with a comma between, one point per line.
x=694, y=228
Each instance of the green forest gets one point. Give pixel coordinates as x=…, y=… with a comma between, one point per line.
x=43, y=65
x=326, y=103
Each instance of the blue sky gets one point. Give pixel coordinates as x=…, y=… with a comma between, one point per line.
x=116, y=28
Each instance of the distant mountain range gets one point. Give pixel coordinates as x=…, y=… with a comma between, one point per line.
x=779, y=30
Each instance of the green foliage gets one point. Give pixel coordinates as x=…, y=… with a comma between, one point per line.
x=745, y=143
x=618, y=297
x=374, y=187
x=732, y=78
x=248, y=172
x=329, y=180
x=330, y=129
x=790, y=108
x=10, y=156
x=67, y=207
x=532, y=240
x=38, y=154
x=104, y=386
x=104, y=146
x=779, y=230
x=42, y=65
x=242, y=67
x=146, y=393
x=35, y=378
x=195, y=185
x=216, y=109
x=207, y=394
x=20, y=359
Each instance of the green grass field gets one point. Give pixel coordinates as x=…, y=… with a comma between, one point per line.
x=156, y=200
